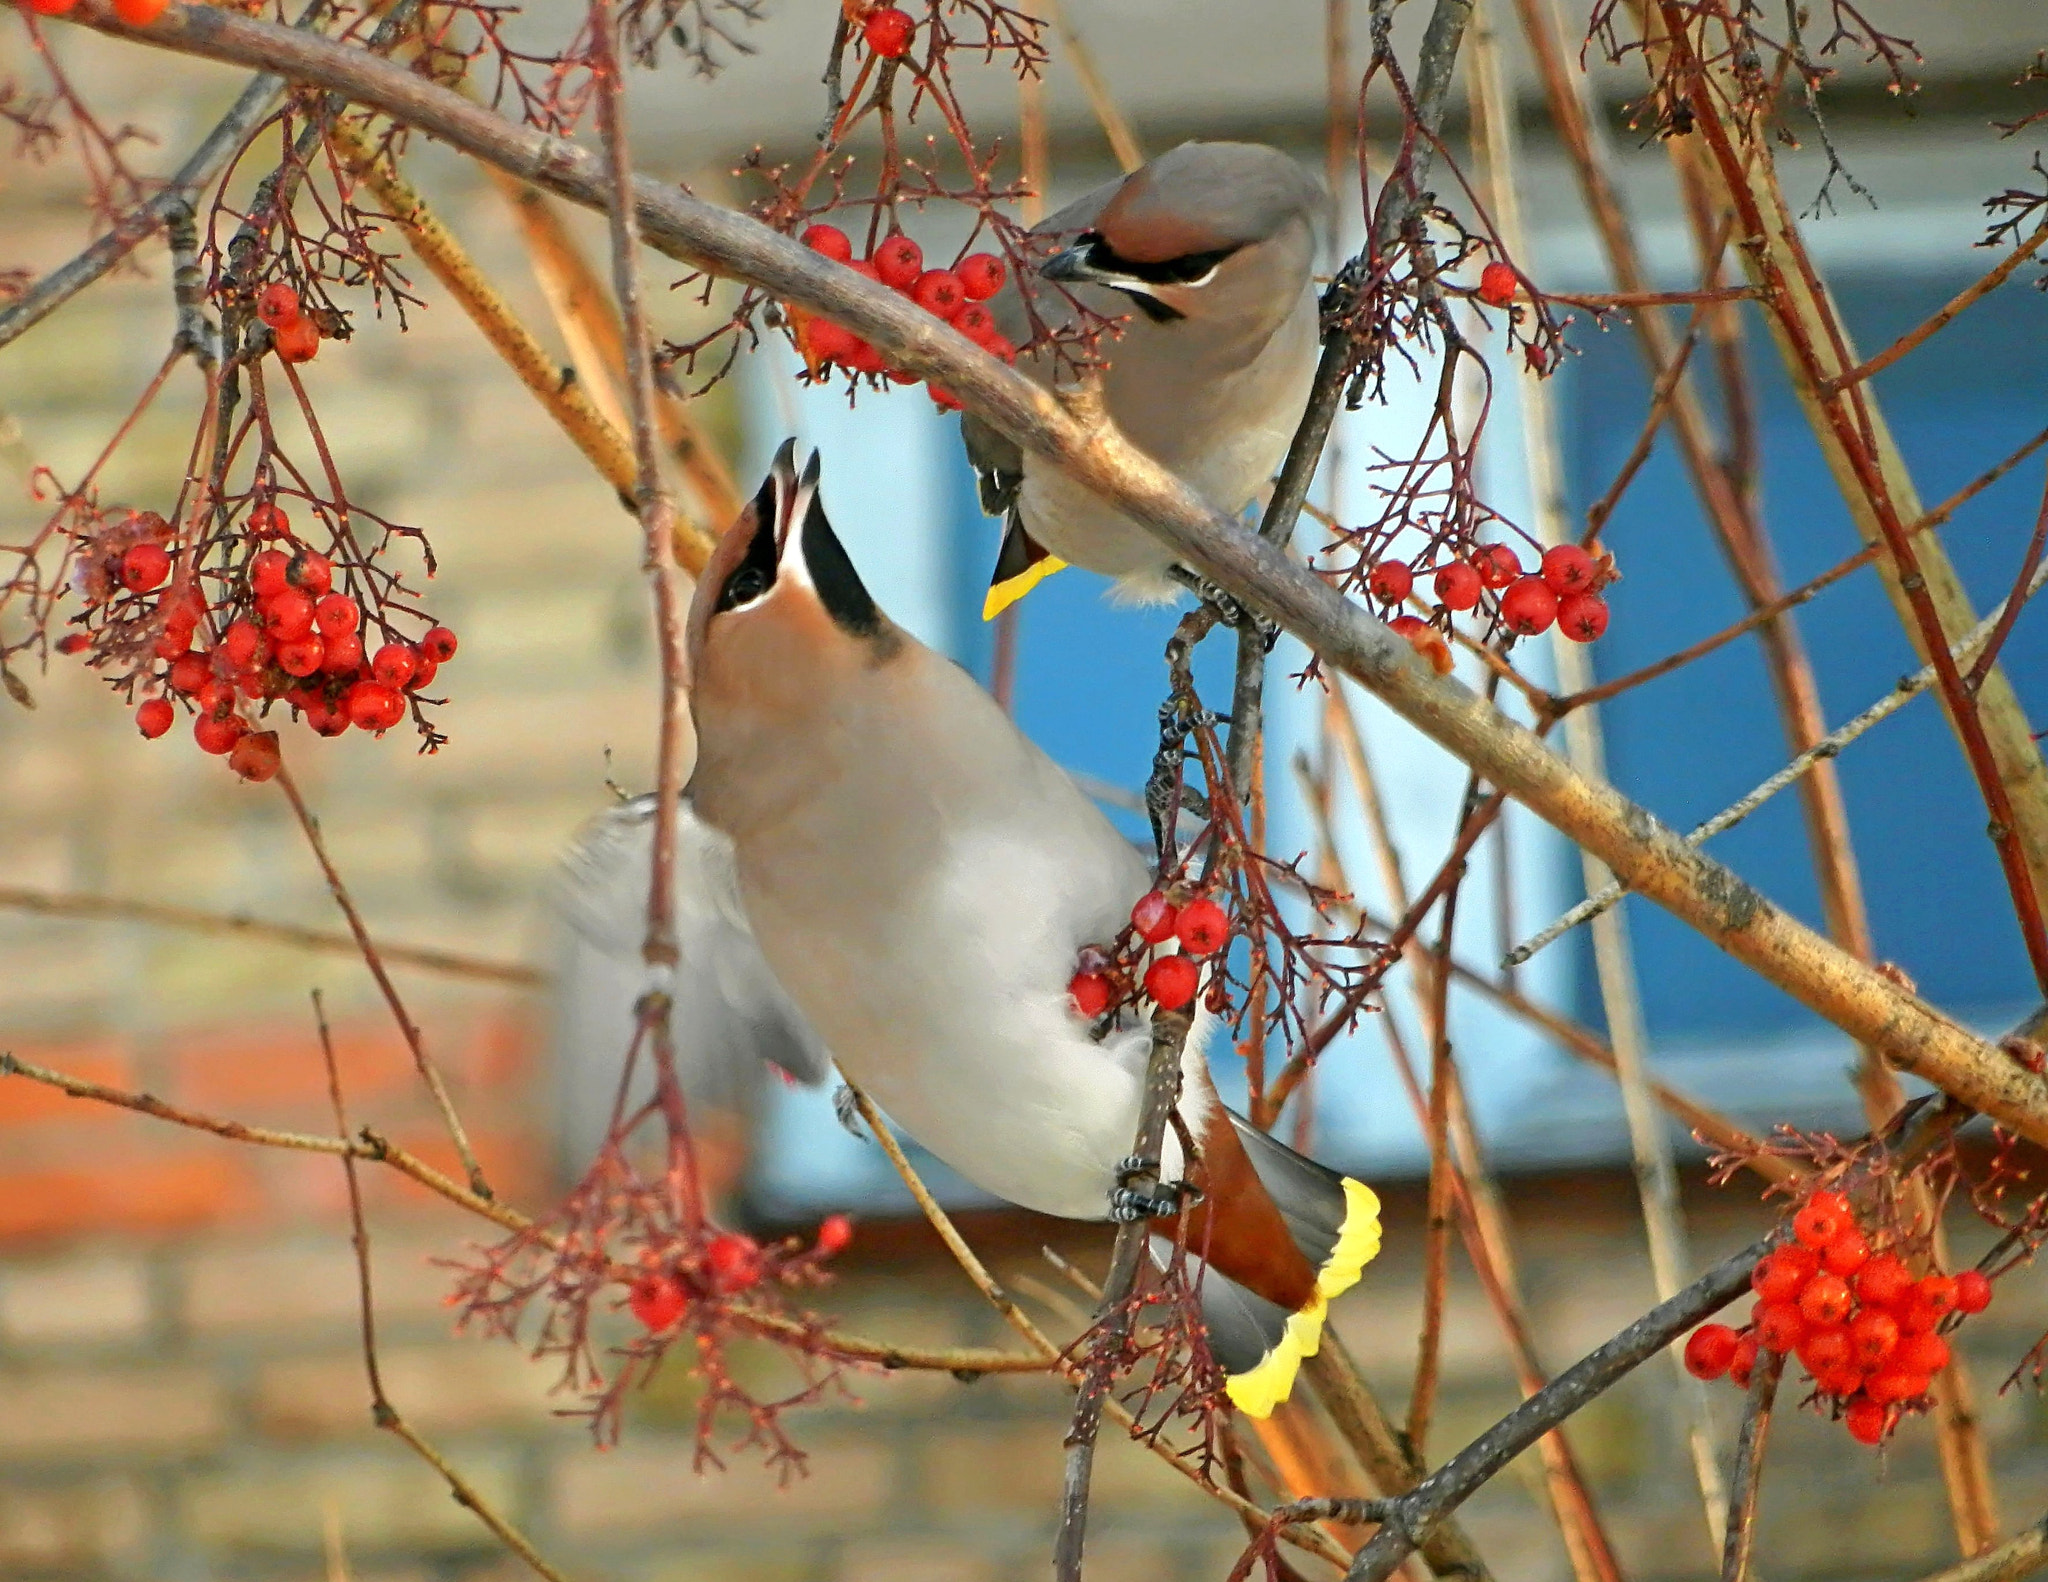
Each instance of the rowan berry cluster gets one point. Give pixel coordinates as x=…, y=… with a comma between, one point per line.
x=293, y=333
x=1564, y=591
x=728, y=1263
x=1866, y=1329
x=277, y=630
x=1176, y=936
x=954, y=296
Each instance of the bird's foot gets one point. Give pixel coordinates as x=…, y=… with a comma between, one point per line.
x=847, y=1111
x=1228, y=609
x=1154, y=1199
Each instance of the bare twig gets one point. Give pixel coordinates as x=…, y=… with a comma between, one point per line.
x=110, y=909
x=1749, y=1466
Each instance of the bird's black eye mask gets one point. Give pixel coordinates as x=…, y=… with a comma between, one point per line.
x=755, y=574
x=1190, y=269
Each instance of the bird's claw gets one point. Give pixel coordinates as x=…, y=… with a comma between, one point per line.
x=1156, y=1200
x=846, y=1110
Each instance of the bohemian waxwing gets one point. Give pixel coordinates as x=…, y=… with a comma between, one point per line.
x=918, y=879
x=1208, y=250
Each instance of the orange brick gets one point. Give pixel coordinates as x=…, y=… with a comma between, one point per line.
x=23, y=1101
x=233, y=1070
x=191, y=1188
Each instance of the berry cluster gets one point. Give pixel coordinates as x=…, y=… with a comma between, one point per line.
x=295, y=336
x=728, y=1264
x=1867, y=1331
x=280, y=631
x=1564, y=591
x=954, y=295
x=1199, y=928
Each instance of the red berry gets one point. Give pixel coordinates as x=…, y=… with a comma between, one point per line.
x=1089, y=992
x=73, y=643
x=217, y=736
x=214, y=697
x=277, y=304
x=326, y=718
x=1924, y=1354
x=1973, y=1291
x=1843, y=1382
x=732, y=1261
x=395, y=664
x=831, y=241
x=1938, y=1291
x=1782, y=1275
x=438, y=645
x=373, y=706
x=1824, y=1216
x=298, y=341
x=1390, y=581
x=288, y=615
x=255, y=757
x=140, y=13
x=301, y=656
x=1154, y=917
x=1170, y=981
x=1824, y=1350
x=939, y=291
x=1710, y=1350
x=174, y=641
x=1497, y=565
x=1745, y=1359
x=976, y=323
x=1778, y=1326
x=864, y=359
x=267, y=521
x=424, y=675
x=944, y=400
x=1582, y=617
x=1457, y=586
x=1569, y=569
x=269, y=573
x=1202, y=927
x=242, y=646
x=1846, y=1254
x=657, y=1300
x=888, y=32
x=1497, y=284
x=981, y=275
x=336, y=614
x=1873, y=1337
x=154, y=717
x=1866, y=1420
x=51, y=7
x=144, y=566
x=250, y=683
x=827, y=342
x=1883, y=1281
x=899, y=260
x=1826, y=1300
x=344, y=656
x=1528, y=606
x=1893, y=1385
x=835, y=1233
x=189, y=672
x=311, y=572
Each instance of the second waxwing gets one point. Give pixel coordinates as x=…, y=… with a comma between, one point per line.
x=918, y=879
x=1209, y=251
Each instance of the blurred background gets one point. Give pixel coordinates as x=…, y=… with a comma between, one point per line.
x=180, y=1389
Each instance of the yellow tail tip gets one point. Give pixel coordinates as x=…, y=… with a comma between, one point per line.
x=1264, y=1386
x=1001, y=595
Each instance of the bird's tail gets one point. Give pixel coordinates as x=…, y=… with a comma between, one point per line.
x=1334, y=1221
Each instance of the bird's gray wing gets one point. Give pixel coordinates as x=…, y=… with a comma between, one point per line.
x=730, y=1013
x=997, y=462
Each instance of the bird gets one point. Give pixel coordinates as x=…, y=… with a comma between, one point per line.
x=1209, y=250
x=918, y=879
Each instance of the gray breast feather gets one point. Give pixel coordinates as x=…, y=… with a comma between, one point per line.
x=730, y=1012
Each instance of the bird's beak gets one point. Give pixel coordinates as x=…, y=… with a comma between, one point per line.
x=1070, y=265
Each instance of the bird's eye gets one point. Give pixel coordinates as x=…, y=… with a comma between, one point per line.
x=743, y=587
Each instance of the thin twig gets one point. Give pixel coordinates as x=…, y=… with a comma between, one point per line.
x=374, y=960
x=1749, y=1466
x=382, y=1412
x=2019, y=1556
x=111, y=909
